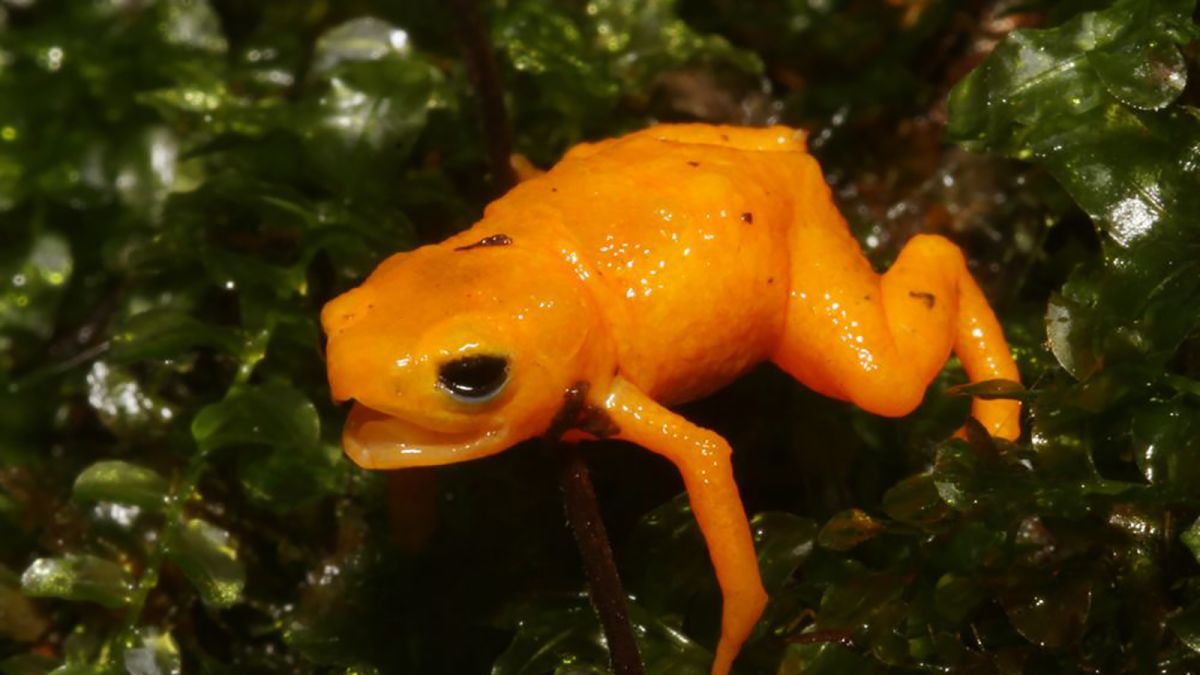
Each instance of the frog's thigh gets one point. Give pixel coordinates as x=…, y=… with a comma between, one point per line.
x=703, y=459
x=874, y=340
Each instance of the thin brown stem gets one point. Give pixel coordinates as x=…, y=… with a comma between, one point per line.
x=583, y=513
x=604, y=583
x=481, y=66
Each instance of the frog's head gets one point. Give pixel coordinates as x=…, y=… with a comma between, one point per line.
x=453, y=354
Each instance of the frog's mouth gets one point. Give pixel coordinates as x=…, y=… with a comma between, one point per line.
x=376, y=440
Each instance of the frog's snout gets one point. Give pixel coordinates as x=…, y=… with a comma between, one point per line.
x=344, y=311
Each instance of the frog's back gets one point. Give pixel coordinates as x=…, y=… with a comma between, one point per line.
x=682, y=230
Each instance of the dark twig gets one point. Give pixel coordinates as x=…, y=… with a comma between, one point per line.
x=579, y=497
x=604, y=584
x=481, y=66
x=583, y=512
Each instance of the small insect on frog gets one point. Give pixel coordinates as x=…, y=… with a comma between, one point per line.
x=642, y=272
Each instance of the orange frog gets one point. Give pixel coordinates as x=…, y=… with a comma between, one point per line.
x=638, y=273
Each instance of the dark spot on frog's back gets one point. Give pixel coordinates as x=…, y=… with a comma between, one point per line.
x=693, y=163
x=748, y=218
x=487, y=242
x=928, y=298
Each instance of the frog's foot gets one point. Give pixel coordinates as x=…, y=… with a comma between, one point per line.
x=702, y=457
x=878, y=341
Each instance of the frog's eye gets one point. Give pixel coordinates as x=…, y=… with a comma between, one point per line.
x=474, y=379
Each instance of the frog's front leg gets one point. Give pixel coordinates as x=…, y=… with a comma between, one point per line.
x=703, y=458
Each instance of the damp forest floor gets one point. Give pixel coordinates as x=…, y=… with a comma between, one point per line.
x=184, y=183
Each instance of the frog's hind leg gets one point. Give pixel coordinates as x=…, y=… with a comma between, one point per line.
x=878, y=340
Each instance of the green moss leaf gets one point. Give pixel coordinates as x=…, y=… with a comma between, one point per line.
x=1070, y=333
x=862, y=604
x=1038, y=83
x=546, y=41
x=565, y=634
x=956, y=475
x=124, y=403
x=145, y=169
x=784, y=541
x=32, y=284
x=915, y=501
x=192, y=24
x=848, y=529
x=273, y=414
x=285, y=465
x=647, y=37
x=1191, y=538
x=165, y=333
x=1148, y=73
x=1166, y=443
x=669, y=559
x=123, y=483
x=208, y=558
x=286, y=478
x=555, y=636
x=79, y=577
x=1050, y=614
x=371, y=95
x=824, y=658
x=1078, y=98
x=152, y=653
x=955, y=597
x=570, y=69
x=1186, y=626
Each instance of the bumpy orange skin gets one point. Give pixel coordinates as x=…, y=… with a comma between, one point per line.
x=655, y=267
